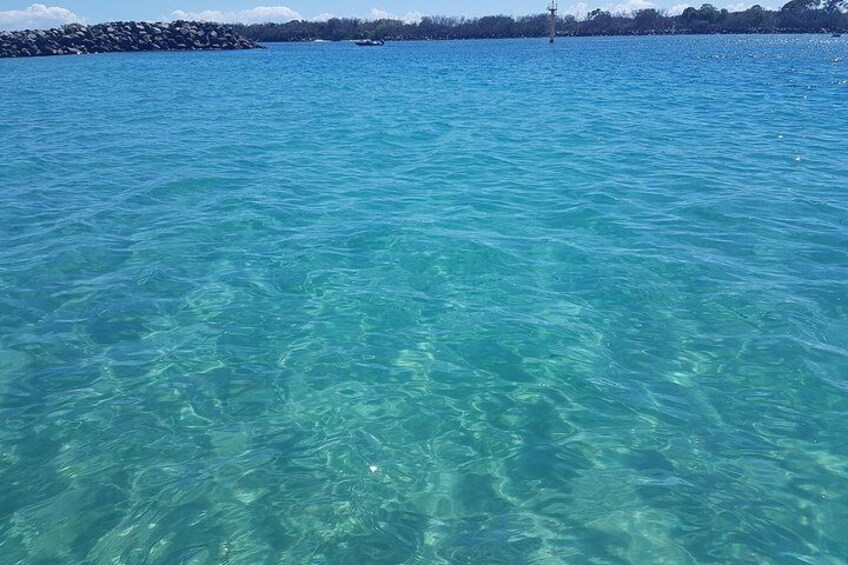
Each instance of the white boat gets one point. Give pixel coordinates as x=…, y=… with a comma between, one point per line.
x=369, y=42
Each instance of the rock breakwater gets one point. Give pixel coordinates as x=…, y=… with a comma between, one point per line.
x=115, y=37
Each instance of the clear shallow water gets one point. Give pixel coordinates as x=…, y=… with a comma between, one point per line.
x=481, y=302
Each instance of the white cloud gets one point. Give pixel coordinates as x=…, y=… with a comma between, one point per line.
x=409, y=18
x=743, y=6
x=37, y=16
x=578, y=10
x=413, y=17
x=631, y=6
x=323, y=17
x=678, y=9
x=581, y=9
x=257, y=15
x=378, y=14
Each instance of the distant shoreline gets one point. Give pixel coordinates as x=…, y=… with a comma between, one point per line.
x=796, y=17
x=559, y=36
x=115, y=37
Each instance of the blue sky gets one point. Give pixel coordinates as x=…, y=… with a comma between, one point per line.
x=17, y=15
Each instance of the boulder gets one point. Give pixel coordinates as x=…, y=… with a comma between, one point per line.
x=77, y=39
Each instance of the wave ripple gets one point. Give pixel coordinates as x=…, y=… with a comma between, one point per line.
x=483, y=302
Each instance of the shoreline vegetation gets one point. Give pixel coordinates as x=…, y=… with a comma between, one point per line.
x=797, y=16
x=118, y=37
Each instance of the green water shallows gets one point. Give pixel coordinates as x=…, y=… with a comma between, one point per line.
x=482, y=302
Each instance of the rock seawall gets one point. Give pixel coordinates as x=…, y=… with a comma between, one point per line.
x=117, y=37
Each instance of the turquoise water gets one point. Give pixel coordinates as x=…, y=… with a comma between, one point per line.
x=481, y=302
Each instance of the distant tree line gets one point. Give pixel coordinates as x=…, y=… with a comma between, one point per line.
x=797, y=16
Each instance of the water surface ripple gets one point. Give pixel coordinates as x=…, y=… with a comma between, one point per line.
x=482, y=302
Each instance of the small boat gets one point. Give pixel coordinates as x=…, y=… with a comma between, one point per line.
x=836, y=35
x=369, y=42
